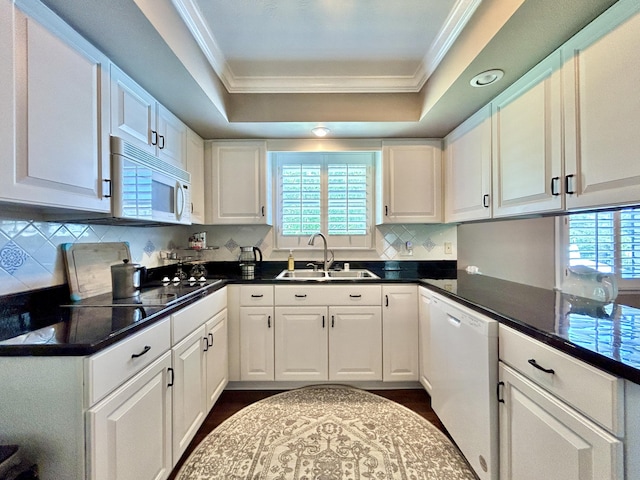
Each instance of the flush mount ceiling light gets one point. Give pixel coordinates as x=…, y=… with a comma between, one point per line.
x=486, y=78
x=320, y=131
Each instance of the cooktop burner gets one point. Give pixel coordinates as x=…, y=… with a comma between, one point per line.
x=158, y=295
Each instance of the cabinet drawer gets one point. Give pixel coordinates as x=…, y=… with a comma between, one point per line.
x=328, y=295
x=595, y=393
x=191, y=317
x=111, y=367
x=258, y=295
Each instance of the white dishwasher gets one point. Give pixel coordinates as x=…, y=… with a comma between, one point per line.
x=464, y=357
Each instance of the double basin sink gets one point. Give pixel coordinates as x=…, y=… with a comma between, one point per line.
x=321, y=275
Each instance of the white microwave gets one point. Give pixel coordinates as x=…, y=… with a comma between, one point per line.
x=146, y=188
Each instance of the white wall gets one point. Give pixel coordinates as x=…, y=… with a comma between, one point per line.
x=521, y=251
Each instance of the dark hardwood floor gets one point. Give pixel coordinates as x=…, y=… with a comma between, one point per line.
x=232, y=401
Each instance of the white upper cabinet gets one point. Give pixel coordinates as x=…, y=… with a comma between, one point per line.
x=237, y=188
x=467, y=169
x=602, y=110
x=55, y=122
x=133, y=111
x=527, y=143
x=195, y=166
x=139, y=119
x=411, y=182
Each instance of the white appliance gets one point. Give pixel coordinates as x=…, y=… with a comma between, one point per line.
x=147, y=188
x=464, y=356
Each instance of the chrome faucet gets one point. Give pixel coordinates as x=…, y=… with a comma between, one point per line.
x=327, y=263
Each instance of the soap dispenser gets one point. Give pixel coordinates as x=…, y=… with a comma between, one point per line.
x=290, y=262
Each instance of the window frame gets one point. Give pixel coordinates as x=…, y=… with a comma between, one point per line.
x=336, y=242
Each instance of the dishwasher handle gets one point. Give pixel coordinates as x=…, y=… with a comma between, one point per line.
x=453, y=320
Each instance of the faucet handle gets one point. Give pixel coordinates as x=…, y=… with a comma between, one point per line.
x=311, y=264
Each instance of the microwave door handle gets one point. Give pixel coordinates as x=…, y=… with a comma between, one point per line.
x=180, y=200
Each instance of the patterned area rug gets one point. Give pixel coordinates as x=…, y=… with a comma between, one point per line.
x=326, y=432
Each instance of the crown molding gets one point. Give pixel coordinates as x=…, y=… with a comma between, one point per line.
x=455, y=22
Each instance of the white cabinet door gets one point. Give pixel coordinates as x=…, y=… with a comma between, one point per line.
x=237, y=186
x=133, y=112
x=256, y=343
x=195, y=166
x=400, y=332
x=129, y=432
x=424, y=337
x=355, y=343
x=602, y=110
x=217, y=362
x=467, y=169
x=301, y=343
x=527, y=143
x=542, y=437
x=189, y=393
x=57, y=110
x=172, y=137
x=411, y=183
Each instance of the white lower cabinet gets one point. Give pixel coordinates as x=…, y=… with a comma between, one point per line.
x=189, y=384
x=200, y=368
x=256, y=333
x=424, y=338
x=560, y=419
x=542, y=437
x=328, y=333
x=256, y=343
x=130, y=430
x=355, y=343
x=400, y=332
x=302, y=343
x=217, y=361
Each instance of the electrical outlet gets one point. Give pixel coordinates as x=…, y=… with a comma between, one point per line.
x=447, y=248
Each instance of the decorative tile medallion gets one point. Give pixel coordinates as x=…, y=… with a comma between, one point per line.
x=149, y=248
x=231, y=245
x=12, y=257
x=429, y=244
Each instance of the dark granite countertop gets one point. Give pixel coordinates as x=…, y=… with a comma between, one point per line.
x=37, y=325
x=605, y=336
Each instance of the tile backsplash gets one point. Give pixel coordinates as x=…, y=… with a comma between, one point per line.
x=30, y=255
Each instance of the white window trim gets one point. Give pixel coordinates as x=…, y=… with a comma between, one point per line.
x=335, y=242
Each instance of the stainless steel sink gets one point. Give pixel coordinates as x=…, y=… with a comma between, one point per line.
x=308, y=274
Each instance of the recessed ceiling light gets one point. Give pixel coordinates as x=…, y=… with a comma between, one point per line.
x=320, y=131
x=486, y=78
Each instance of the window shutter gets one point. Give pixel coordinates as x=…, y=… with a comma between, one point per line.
x=592, y=240
x=630, y=244
x=301, y=199
x=347, y=199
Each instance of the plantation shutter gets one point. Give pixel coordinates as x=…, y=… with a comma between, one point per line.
x=630, y=244
x=328, y=192
x=301, y=199
x=592, y=240
x=347, y=199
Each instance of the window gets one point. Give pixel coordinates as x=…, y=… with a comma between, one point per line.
x=328, y=192
x=608, y=242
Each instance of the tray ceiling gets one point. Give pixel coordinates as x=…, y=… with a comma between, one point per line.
x=322, y=46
